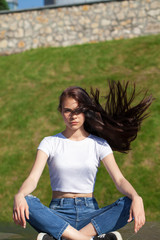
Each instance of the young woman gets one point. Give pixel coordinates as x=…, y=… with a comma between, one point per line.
x=73, y=157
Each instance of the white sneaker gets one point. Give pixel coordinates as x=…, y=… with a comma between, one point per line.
x=109, y=236
x=118, y=235
x=44, y=236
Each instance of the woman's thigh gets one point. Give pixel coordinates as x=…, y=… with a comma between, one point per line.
x=112, y=217
x=43, y=219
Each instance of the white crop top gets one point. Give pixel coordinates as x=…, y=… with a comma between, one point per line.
x=72, y=164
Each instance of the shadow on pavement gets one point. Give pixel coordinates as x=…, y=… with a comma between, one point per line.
x=150, y=231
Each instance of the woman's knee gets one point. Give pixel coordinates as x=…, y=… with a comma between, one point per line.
x=125, y=201
x=33, y=202
x=29, y=198
x=123, y=204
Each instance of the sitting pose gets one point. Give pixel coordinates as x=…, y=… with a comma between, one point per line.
x=91, y=134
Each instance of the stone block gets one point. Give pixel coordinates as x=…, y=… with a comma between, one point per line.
x=105, y=22
x=10, y=34
x=17, y=16
x=97, y=10
x=119, y=37
x=137, y=31
x=125, y=4
x=2, y=34
x=94, y=25
x=26, y=24
x=19, y=33
x=126, y=22
x=37, y=27
x=95, y=31
x=152, y=28
x=35, y=41
x=49, y=39
x=155, y=5
x=42, y=19
x=120, y=15
x=133, y=4
x=3, y=43
x=13, y=26
x=127, y=31
x=142, y=13
x=12, y=43
x=48, y=30
x=21, y=44
x=58, y=38
x=131, y=14
x=85, y=8
x=20, y=23
x=60, y=23
x=154, y=13
x=28, y=32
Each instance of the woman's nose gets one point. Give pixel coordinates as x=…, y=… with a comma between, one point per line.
x=73, y=115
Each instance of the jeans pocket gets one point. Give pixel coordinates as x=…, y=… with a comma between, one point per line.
x=54, y=205
x=93, y=204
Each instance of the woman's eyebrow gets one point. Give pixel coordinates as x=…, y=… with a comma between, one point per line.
x=71, y=109
x=67, y=108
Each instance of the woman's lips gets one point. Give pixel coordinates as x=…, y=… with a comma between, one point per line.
x=74, y=123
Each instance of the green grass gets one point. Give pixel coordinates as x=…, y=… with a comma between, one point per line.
x=30, y=85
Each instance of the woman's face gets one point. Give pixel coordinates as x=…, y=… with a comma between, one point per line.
x=72, y=120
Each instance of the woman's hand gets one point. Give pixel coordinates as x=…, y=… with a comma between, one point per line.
x=20, y=210
x=137, y=211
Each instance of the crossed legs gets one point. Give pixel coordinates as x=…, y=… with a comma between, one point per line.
x=60, y=221
x=85, y=233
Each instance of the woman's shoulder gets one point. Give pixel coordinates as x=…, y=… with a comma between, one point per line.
x=102, y=146
x=49, y=143
x=52, y=137
x=98, y=140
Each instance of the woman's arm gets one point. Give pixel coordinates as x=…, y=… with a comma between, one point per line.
x=20, y=209
x=123, y=186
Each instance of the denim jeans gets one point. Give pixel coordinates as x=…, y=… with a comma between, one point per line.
x=77, y=212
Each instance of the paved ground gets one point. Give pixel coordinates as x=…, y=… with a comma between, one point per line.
x=150, y=231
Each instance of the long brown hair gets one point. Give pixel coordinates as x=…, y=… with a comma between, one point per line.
x=118, y=122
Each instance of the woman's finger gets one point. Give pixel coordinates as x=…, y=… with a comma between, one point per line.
x=27, y=212
x=136, y=225
x=130, y=216
x=15, y=217
x=139, y=222
x=23, y=220
x=18, y=215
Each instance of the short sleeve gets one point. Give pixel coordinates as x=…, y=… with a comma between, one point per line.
x=46, y=146
x=105, y=150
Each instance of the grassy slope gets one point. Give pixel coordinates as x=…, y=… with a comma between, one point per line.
x=30, y=85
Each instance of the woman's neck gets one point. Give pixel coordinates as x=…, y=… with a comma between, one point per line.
x=75, y=135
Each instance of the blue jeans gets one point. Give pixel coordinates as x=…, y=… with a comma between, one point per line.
x=77, y=212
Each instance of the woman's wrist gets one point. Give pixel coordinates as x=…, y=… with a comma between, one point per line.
x=136, y=197
x=19, y=194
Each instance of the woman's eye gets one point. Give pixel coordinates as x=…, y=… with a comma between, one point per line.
x=67, y=111
x=77, y=111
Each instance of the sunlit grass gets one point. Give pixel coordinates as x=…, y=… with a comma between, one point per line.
x=30, y=85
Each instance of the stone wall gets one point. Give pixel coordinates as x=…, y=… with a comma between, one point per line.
x=64, y=26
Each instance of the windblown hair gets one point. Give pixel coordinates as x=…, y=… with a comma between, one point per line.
x=117, y=122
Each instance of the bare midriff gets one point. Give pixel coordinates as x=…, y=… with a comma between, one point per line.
x=58, y=194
